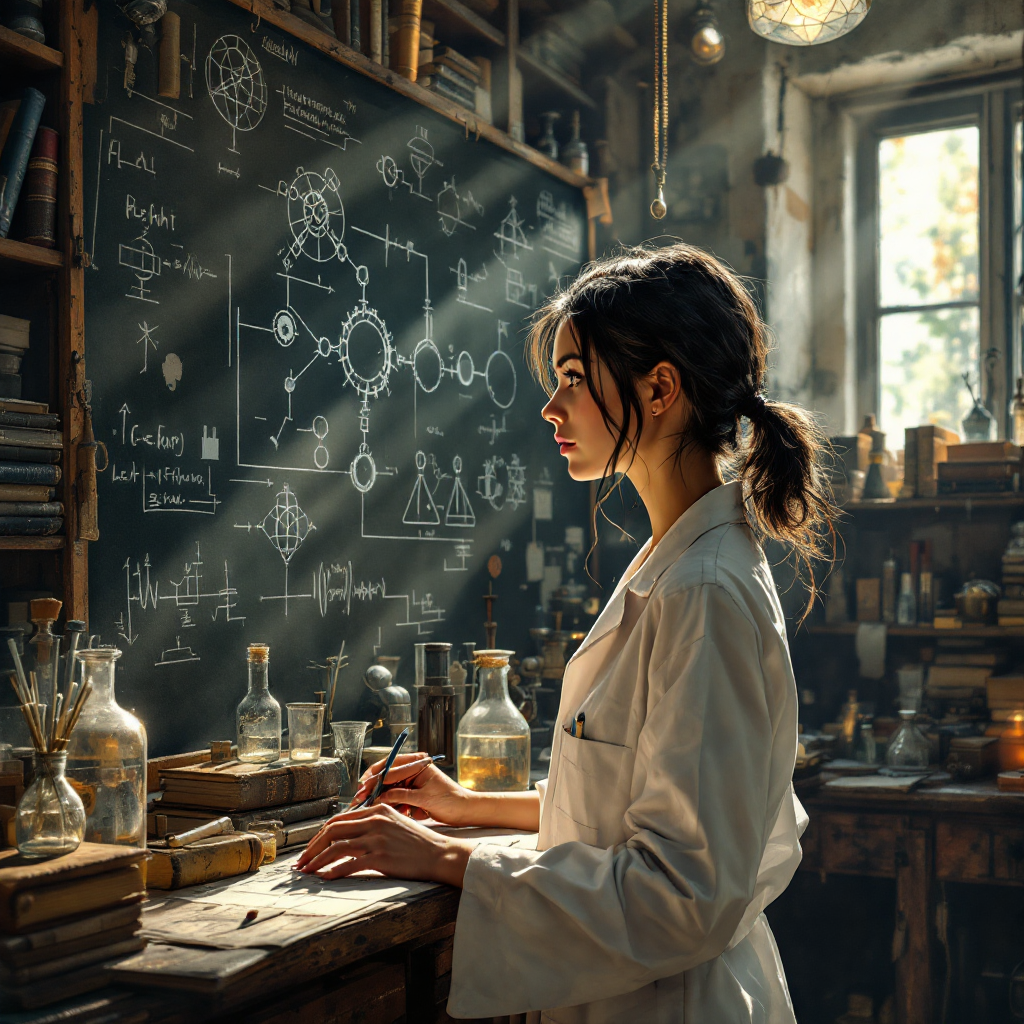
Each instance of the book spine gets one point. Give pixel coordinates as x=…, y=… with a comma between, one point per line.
x=910, y=464
x=10, y=383
x=453, y=93
x=31, y=438
x=14, y=159
x=25, y=492
x=312, y=783
x=376, y=43
x=31, y=508
x=407, y=39
x=15, y=453
x=29, y=526
x=342, y=21
x=40, y=191
x=28, y=473
x=194, y=865
x=47, y=420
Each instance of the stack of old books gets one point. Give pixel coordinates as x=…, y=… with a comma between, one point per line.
x=64, y=920
x=981, y=467
x=451, y=75
x=31, y=442
x=1010, y=607
x=924, y=450
x=291, y=800
x=957, y=682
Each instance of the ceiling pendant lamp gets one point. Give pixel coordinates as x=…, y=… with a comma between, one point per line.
x=805, y=22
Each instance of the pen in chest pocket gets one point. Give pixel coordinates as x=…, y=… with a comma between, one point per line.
x=578, y=725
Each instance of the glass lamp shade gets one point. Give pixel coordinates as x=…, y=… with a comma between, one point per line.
x=805, y=22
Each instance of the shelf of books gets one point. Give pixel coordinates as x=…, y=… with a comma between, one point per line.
x=18, y=52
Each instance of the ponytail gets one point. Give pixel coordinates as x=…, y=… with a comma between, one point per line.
x=682, y=305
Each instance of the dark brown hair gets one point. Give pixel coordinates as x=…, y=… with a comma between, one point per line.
x=681, y=305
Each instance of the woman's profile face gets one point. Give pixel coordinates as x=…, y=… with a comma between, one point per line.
x=581, y=433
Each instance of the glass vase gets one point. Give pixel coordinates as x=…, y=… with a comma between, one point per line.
x=50, y=820
x=908, y=751
x=258, y=717
x=107, y=757
x=493, y=740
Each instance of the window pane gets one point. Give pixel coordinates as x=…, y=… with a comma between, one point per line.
x=922, y=358
x=928, y=217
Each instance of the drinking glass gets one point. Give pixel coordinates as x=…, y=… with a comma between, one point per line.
x=348, y=747
x=304, y=724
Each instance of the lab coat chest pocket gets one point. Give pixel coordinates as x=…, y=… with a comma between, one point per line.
x=592, y=791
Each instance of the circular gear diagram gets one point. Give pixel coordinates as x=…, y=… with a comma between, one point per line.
x=316, y=215
x=235, y=80
x=366, y=351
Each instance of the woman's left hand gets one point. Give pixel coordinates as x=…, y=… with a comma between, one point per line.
x=379, y=838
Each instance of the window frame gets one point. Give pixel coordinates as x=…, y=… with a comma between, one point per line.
x=989, y=103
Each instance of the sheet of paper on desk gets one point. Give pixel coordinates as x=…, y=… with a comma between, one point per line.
x=878, y=783
x=291, y=905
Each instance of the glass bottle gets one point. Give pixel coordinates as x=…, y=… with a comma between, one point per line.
x=1017, y=413
x=890, y=571
x=849, y=734
x=575, y=155
x=107, y=757
x=259, y=716
x=906, y=607
x=908, y=750
x=547, y=143
x=44, y=612
x=50, y=820
x=493, y=741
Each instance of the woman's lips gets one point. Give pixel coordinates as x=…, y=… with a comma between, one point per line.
x=563, y=444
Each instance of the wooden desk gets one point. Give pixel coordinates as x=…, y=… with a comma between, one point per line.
x=389, y=964
x=966, y=832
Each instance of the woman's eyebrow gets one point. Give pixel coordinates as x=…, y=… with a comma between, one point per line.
x=568, y=358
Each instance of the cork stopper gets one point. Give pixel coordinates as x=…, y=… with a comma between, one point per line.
x=45, y=609
x=259, y=652
x=492, y=658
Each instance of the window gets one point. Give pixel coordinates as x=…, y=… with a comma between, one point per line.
x=938, y=243
x=928, y=316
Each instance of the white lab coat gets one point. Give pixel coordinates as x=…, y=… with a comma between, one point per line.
x=667, y=830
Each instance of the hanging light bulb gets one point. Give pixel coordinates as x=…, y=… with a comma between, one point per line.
x=805, y=22
x=707, y=44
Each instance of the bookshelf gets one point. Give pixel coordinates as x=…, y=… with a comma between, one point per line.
x=51, y=282
x=945, y=502
x=547, y=82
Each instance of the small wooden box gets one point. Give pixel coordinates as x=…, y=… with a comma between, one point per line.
x=972, y=757
x=869, y=599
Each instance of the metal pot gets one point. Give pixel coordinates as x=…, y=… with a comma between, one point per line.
x=976, y=601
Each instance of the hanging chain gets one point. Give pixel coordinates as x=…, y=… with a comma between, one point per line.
x=660, y=165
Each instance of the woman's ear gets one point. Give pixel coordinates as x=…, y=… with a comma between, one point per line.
x=666, y=388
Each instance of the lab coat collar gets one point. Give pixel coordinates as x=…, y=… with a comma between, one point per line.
x=719, y=506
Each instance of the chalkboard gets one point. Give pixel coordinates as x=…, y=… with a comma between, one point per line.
x=305, y=319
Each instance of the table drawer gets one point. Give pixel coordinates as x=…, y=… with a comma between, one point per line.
x=863, y=844
x=1008, y=857
x=963, y=853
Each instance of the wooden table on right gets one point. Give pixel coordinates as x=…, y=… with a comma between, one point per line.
x=959, y=832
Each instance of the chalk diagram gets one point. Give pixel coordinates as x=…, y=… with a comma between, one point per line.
x=561, y=234
x=453, y=207
x=512, y=493
x=147, y=341
x=286, y=526
x=512, y=241
x=237, y=87
x=176, y=655
x=145, y=263
x=364, y=347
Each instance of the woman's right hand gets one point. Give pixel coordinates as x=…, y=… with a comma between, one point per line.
x=431, y=794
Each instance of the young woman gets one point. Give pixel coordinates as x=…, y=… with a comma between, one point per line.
x=671, y=824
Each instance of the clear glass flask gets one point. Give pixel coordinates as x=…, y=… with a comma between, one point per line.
x=44, y=612
x=50, y=820
x=258, y=717
x=107, y=757
x=493, y=740
x=908, y=750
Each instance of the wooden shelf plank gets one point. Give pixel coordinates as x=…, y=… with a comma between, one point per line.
x=26, y=53
x=944, y=501
x=20, y=257
x=970, y=630
x=31, y=543
x=454, y=18
x=531, y=65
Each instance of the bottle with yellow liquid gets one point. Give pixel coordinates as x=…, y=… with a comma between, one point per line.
x=493, y=741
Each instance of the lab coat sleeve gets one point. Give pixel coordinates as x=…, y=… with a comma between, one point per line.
x=574, y=924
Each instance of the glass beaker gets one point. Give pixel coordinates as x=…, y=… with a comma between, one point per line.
x=348, y=748
x=911, y=684
x=107, y=757
x=258, y=716
x=493, y=740
x=50, y=820
x=304, y=724
x=908, y=750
